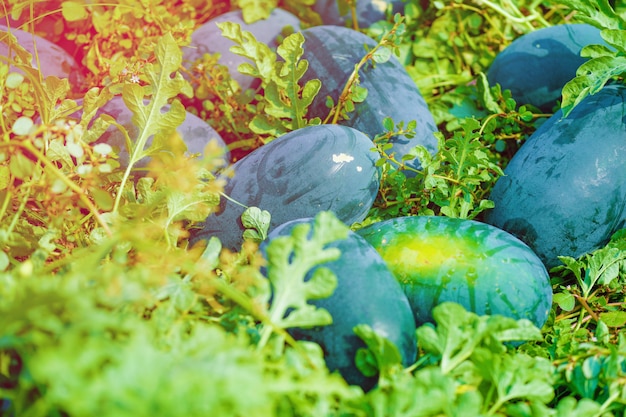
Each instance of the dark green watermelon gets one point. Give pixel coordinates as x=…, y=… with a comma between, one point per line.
x=564, y=191
x=483, y=268
x=332, y=52
x=316, y=168
x=537, y=65
x=366, y=293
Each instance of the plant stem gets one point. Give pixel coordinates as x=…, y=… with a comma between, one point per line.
x=583, y=302
x=354, y=76
x=18, y=213
x=69, y=183
x=519, y=18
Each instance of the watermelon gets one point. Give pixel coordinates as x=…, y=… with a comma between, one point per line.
x=483, y=268
x=332, y=52
x=305, y=171
x=537, y=65
x=366, y=293
x=564, y=191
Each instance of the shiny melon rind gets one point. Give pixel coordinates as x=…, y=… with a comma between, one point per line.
x=483, y=268
x=299, y=174
x=332, y=52
x=537, y=65
x=564, y=191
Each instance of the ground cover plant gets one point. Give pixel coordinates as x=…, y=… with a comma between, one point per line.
x=107, y=309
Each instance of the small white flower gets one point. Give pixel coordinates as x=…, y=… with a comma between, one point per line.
x=134, y=78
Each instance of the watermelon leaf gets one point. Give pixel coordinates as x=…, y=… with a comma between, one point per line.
x=601, y=267
x=260, y=54
x=289, y=260
x=92, y=101
x=515, y=377
x=381, y=355
x=598, y=13
x=146, y=103
x=592, y=76
x=605, y=64
x=284, y=102
x=458, y=334
x=254, y=10
x=285, y=98
x=256, y=222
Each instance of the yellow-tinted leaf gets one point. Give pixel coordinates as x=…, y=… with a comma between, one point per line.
x=55, y=90
x=21, y=167
x=147, y=115
x=4, y=264
x=254, y=10
x=74, y=11
x=614, y=318
x=103, y=199
x=17, y=51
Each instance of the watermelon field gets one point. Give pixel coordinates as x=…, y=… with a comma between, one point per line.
x=333, y=208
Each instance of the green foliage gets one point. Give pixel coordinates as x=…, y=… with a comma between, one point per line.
x=257, y=223
x=284, y=102
x=380, y=356
x=289, y=260
x=591, y=288
x=250, y=119
x=106, y=310
x=448, y=43
x=458, y=190
x=483, y=130
x=218, y=99
x=453, y=182
x=112, y=40
x=88, y=343
x=605, y=64
x=149, y=119
x=465, y=369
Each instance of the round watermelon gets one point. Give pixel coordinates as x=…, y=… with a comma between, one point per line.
x=303, y=172
x=195, y=133
x=332, y=52
x=481, y=267
x=53, y=60
x=564, y=191
x=368, y=12
x=537, y=65
x=366, y=293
